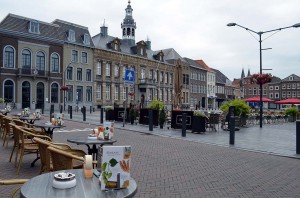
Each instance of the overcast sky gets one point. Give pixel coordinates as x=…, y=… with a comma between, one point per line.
x=194, y=28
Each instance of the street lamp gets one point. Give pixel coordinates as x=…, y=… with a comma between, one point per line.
x=260, y=57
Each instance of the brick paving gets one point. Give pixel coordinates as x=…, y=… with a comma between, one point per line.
x=171, y=167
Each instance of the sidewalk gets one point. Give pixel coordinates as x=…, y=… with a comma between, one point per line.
x=275, y=139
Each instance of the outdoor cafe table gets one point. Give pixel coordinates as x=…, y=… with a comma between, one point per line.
x=4, y=112
x=94, y=142
x=41, y=186
x=49, y=128
x=29, y=119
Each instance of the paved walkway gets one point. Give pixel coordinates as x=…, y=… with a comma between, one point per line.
x=172, y=167
x=277, y=139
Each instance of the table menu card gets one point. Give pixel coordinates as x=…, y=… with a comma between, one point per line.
x=115, y=168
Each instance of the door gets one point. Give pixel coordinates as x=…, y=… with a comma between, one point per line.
x=25, y=94
x=40, y=95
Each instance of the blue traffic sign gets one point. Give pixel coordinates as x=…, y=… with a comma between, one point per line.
x=129, y=76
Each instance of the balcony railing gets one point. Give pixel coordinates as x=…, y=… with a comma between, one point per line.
x=33, y=72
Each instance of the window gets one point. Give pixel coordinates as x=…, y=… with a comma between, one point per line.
x=54, y=93
x=283, y=94
x=86, y=39
x=34, y=27
x=124, y=93
x=277, y=95
x=143, y=73
x=161, y=77
x=70, y=73
x=74, y=56
x=9, y=90
x=166, y=78
x=288, y=86
x=40, y=61
x=276, y=87
x=254, y=91
x=142, y=51
x=26, y=59
x=117, y=71
x=294, y=86
x=271, y=87
x=71, y=36
x=89, y=94
x=161, y=95
x=171, y=78
x=84, y=58
x=98, y=91
x=107, y=92
x=116, y=95
x=155, y=76
x=271, y=95
x=98, y=68
x=298, y=93
x=79, y=94
x=151, y=74
x=288, y=94
x=291, y=78
x=293, y=94
x=283, y=86
x=79, y=74
x=70, y=93
x=54, y=62
x=89, y=75
x=107, y=69
x=9, y=57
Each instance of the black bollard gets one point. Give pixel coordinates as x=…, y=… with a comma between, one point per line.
x=84, y=113
x=60, y=108
x=51, y=111
x=91, y=109
x=101, y=115
x=150, y=120
x=232, y=130
x=71, y=112
x=183, y=133
x=43, y=109
x=298, y=137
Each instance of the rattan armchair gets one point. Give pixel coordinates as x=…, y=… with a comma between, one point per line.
x=7, y=130
x=62, y=159
x=26, y=147
x=46, y=161
x=13, y=182
x=2, y=124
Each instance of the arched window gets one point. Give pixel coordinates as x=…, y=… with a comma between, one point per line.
x=124, y=31
x=9, y=57
x=128, y=31
x=26, y=59
x=26, y=94
x=54, y=93
x=132, y=31
x=9, y=91
x=54, y=62
x=40, y=61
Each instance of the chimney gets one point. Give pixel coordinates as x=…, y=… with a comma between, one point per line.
x=103, y=30
x=148, y=42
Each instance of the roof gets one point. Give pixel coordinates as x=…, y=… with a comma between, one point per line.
x=18, y=25
x=275, y=79
x=295, y=78
x=193, y=63
x=220, y=77
x=204, y=65
x=78, y=29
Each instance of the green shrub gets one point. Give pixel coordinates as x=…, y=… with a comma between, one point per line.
x=1, y=100
x=109, y=108
x=199, y=114
x=292, y=111
x=155, y=104
x=241, y=108
x=162, y=117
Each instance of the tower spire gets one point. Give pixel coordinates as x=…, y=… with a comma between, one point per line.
x=128, y=26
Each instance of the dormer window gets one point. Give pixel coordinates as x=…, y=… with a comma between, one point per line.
x=291, y=78
x=71, y=36
x=34, y=27
x=86, y=39
x=142, y=51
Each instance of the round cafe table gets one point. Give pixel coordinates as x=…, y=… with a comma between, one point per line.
x=41, y=187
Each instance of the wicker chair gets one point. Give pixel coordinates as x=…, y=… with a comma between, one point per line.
x=46, y=164
x=7, y=130
x=62, y=160
x=26, y=147
x=2, y=125
x=13, y=182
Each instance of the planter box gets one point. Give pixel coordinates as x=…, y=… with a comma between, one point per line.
x=198, y=124
x=109, y=115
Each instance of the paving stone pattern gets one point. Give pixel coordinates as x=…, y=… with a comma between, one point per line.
x=171, y=167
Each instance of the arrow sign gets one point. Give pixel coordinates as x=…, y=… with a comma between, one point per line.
x=129, y=76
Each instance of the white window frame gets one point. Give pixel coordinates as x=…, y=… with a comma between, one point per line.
x=123, y=93
x=86, y=39
x=143, y=73
x=98, y=91
x=34, y=27
x=4, y=57
x=51, y=63
x=107, y=69
x=71, y=36
x=117, y=71
x=73, y=60
x=99, y=68
x=116, y=95
x=86, y=61
x=107, y=92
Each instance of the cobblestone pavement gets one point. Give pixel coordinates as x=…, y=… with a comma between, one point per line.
x=173, y=167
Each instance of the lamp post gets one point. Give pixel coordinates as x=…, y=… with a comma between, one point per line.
x=260, y=58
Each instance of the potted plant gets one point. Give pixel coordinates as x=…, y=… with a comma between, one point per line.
x=291, y=112
x=199, y=121
x=109, y=113
x=1, y=101
x=131, y=115
x=162, y=118
x=260, y=78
